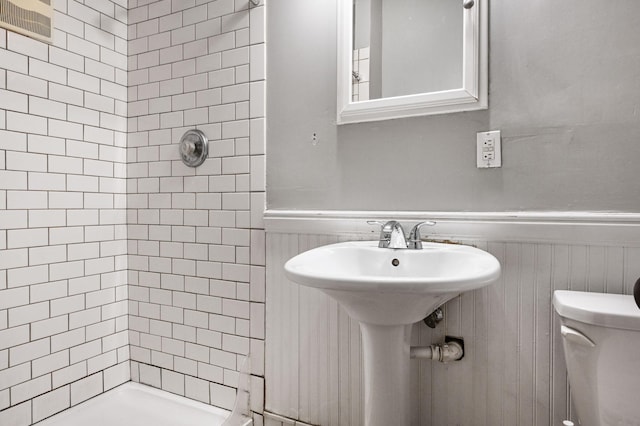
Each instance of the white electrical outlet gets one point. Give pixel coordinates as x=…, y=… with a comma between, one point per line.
x=489, y=152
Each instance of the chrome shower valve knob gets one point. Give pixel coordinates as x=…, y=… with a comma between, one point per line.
x=188, y=148
x=194, y=148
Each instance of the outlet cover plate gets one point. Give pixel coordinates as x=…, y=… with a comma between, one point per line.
x=488, y=149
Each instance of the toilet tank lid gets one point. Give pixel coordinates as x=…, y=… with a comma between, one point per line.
x=607, y=310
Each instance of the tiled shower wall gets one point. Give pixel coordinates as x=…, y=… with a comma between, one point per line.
x=196, y=238
x=63, y=248
x=195, y=249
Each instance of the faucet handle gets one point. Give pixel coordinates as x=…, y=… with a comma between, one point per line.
x=376, y=222
x=384, y=236
x=425, y=223
x=415, y=239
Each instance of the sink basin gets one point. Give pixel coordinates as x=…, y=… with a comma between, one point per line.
x=387, y=290
x=392, y=286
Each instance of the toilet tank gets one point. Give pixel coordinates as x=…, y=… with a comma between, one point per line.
x=601, y=339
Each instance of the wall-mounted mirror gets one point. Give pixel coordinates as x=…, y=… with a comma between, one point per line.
x=404, y=58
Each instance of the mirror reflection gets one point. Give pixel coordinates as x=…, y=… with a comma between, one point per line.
x=406, y=47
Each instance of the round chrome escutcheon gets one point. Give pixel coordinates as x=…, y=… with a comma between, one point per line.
x=194, y=148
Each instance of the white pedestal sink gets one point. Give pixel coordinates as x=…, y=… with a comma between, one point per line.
x=387, y=290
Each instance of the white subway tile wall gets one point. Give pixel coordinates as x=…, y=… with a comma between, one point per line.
x=196, y=240
x=63, y=249
x=118, y=262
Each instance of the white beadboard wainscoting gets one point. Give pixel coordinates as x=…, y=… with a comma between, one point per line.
x=513, y=372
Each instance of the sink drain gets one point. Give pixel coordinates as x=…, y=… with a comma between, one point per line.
x=395, y=262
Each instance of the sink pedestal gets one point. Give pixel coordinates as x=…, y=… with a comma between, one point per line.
x=386, y=374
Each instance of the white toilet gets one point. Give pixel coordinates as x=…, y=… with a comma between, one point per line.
x=601, y=339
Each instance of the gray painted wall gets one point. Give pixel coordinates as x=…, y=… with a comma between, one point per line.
x=431, y=31
x=564, y=90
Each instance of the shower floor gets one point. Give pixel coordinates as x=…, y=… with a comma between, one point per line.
x=133, y=404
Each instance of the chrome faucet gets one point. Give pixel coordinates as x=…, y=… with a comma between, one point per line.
x=392, y=235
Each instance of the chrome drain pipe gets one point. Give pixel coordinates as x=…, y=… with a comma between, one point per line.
x=451, y=350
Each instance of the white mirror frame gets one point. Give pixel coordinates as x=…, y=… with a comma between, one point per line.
x=473, y=95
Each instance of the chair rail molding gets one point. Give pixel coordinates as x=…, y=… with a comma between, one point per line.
x=602, y=228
